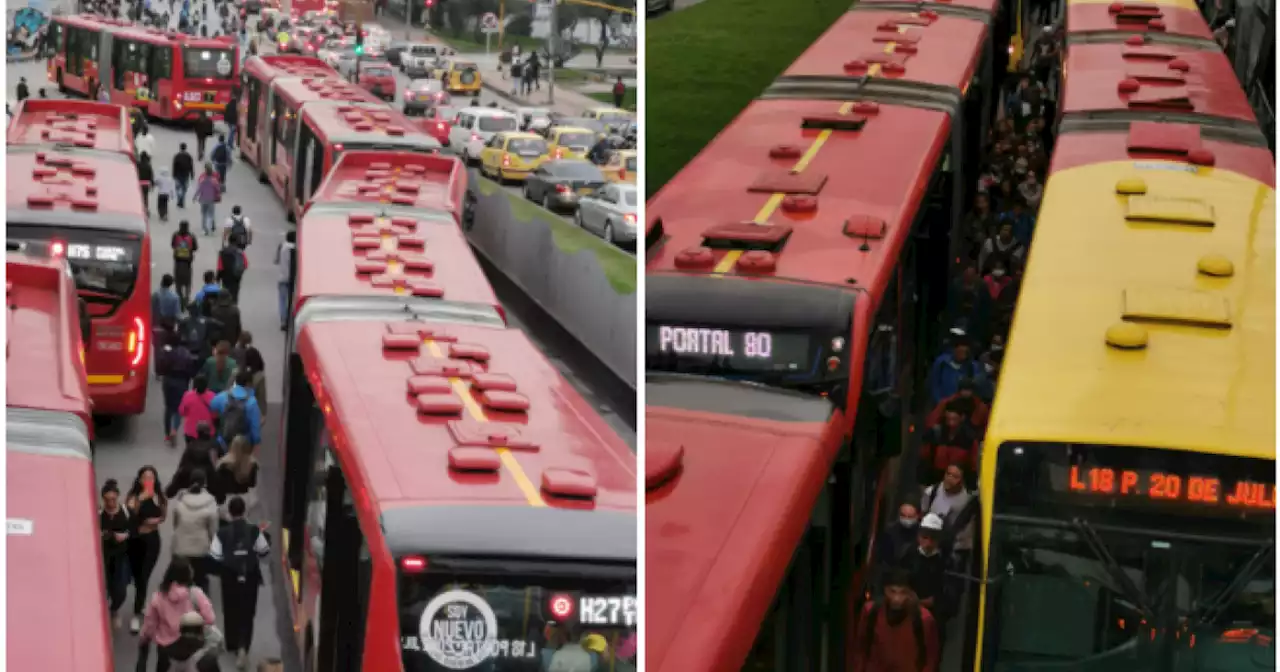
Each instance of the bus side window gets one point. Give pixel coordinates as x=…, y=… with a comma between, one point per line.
x=119, y=62
x=161, y=66
x=300, y=165
x=277, y=123
x=317, y=160
x=253, y=89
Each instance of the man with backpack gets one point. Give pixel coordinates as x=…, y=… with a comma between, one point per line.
x=208, y=291
x=238, y=412
x=226, y=317
x=895, y=633
x=237, y=230
x=184, y=246
x=239, y=547
x=221, y=160
x=204, y=129
x=232, y=263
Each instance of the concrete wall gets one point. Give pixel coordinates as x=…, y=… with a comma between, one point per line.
x=587, y=285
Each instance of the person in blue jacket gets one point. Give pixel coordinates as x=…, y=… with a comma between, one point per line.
x=250, y=422
x=949, y=368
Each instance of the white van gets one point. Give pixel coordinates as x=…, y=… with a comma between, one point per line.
x=475, y=126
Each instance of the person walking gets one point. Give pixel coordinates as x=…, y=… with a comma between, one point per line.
x=204, y=129
x=178, y=365
x=184, y=246
x=238, y=412
x=194, y=408
x=232, y=263
x=218, y=370
x=113, y=520
x=146, y=176
x=175, y=598
x=208, y=193
x=165, y=302
x=143, y=143
x=619, y=92
x=23, y=91
x=287, y=260
x=148, y=508
x=198, y=456
x=240, y=547
x=195, y=521
x=221, y=158
x=237, y=230
x=184, y=170
x=164, y=192
x=236, y=474
x=535, y=70
x=896, y=632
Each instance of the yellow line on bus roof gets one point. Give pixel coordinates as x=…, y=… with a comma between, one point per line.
x=473, y=409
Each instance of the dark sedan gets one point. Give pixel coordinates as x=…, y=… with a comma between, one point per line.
x=558, y=185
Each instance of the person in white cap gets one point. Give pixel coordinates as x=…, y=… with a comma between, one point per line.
x=927, y=564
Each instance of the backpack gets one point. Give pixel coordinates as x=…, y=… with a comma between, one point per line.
x=219, y=155
x=184, y=244
x=917, y=627
x=238, y=557
x=235, y=419
x=239, y=233
x=232, y=262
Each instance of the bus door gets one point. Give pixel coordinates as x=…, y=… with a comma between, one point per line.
x=284, y=126
x=160, y=80
x=130, y=71
x=251, y=104
x=309, y=165
x=57, y=54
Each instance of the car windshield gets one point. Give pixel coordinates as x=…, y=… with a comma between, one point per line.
x=198, y=63
x=425, y=85
x=575, y=139
x=496, y=124
x=575, y=170
x=527, y=146
x=629, y=197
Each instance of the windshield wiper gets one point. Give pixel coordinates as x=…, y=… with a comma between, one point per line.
x=1214, y=608
x=1099, y=548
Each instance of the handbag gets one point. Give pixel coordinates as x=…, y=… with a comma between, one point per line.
x=213, y=639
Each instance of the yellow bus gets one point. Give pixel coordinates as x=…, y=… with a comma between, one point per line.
x=1127, y=481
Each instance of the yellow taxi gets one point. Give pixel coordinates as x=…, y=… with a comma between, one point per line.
x=513, y=155
x=464, y=78
x=608, y=116
x=570, y=142
x=622, y=166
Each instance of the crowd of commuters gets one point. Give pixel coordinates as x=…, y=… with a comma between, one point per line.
x=923, y=558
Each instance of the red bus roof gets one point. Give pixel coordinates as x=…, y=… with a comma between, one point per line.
x=409, y=179
x=404, y=446
x=54, y=576
x=44, y=183
x=719, y=531
x=266, y=68
x=1094, y=17
x=1153, y=77
x=133, y=31
x=1152, y=141
x=79, y=123
x=944, y=53
x=43, y=346
x=987, y=7
x=344, y=122
x=300, y=91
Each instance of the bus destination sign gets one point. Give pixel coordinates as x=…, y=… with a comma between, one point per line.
x=1194, y=489
x=734, y=350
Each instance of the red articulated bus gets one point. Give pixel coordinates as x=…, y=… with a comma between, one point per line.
x=254, y=108
x=451, y=501
x=168, y=75
x=72, y=182
x=382, y=235
x=795, y=267
x=330, y=128
x=55, y=578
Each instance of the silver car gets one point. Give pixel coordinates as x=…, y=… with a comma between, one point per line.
x=422, y=94
x=610, y=212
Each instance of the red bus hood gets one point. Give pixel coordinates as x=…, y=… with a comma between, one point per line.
x=719, y=534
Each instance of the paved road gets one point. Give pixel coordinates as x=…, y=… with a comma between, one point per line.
x=125, y=445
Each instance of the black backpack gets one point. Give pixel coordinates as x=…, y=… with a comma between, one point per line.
x=917, y=627
x=239, y=233
x=238, y=557
x=235, y=419
x=232, y=262
x=219, y=155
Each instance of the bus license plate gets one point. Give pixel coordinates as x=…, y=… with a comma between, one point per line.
x=114, y=346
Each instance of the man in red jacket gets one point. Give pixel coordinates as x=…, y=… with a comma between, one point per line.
x=896, y=634
x=952, y=442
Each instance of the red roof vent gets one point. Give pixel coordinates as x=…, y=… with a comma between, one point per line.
x=663, y=462
x=1148, y=52
x=866, y=227
x=366, y=242
x=695, y=258
x=429, y=385
x=421, y=287
x=1128, y=85
x=1180, y=65
x=1157, y=25
x=784, y=181
x=468, y=459
x=401, y=342
x=785, y=152
x=439, y=404
x=570, y=483
x=437, y=366
x=747, y=236
x=866, y=107
x=475, y=353
x=758, y=261
x=493, y=381
x=490, y=435
x=1201, y=156
x=415, y=262
x=422, y=331
x=799, y=203
x=507, y=402
x=360, y=218
x=370, y=266
x=1161, y=138
x=1162, y=98
x=1156, y=73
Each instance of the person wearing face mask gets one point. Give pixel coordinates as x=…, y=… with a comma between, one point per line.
x=898, y=536
x=1003, y=244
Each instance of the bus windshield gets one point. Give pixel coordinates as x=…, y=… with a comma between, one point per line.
x=451, y=623
x=202, y=63
x=1133, y=559
x=104, y=263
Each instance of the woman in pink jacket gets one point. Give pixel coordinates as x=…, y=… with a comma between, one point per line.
x=194, y=408
x=163, y=618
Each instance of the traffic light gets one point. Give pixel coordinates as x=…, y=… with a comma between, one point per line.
x=429, y=3
x=359, y=42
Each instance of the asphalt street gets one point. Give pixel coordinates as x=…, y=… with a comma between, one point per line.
x=124, y=445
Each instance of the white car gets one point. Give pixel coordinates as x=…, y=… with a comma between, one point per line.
x=475, y=126
x=610, y=212
x=417, y=60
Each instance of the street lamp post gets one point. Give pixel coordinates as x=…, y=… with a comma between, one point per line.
x=552, y=47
